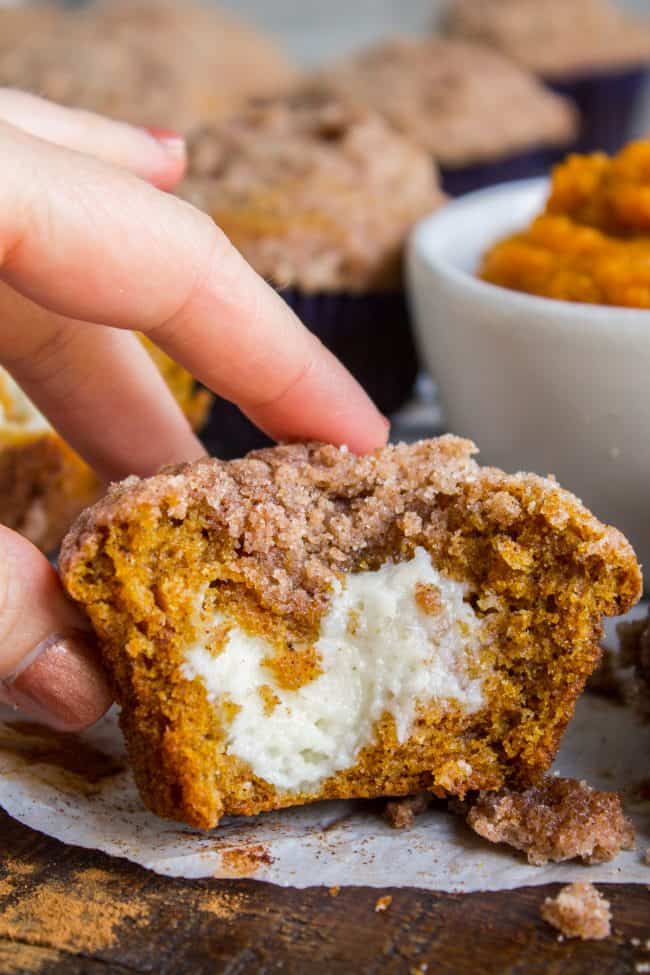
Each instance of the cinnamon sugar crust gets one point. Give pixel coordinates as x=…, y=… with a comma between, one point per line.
x=315, y=193
x=579, y=911
x=463, y=102
x=266, y=542
x=559, y=819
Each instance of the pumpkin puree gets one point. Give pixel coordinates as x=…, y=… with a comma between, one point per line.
x=592, y=242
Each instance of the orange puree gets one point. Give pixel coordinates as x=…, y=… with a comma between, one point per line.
x=592, y=242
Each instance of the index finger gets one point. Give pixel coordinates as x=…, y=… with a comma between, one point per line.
x=96, y=244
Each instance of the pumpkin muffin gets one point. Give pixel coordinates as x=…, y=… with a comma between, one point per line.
x=591, y=50
x=319, y=196
x=480, y=116
x=304, y=624
x=171, y=64
x=592, y=242
x=44, y=484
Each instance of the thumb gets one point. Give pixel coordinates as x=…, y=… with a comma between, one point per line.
x=49, y=667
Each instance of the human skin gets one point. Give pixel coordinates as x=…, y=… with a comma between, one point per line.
x=90, y=250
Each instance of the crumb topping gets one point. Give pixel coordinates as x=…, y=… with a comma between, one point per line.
x=561, y=819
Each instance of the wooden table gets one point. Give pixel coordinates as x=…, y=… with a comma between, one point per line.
x=257, y=928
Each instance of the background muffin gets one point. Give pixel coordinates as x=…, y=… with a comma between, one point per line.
x=170, y=64
x=319, y=197
x=588, y=49
x=480, y=116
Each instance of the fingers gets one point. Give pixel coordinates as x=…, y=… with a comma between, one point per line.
x=92, y=243
x=75, y=371
x=48, y=665
x=154, y=155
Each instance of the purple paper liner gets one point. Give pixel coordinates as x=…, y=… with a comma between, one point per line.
x=370, y=333
x=466, y=179
x=607, y=102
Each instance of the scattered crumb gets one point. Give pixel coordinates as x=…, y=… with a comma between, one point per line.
x=334, y=891
x=642, y=967
x=561, y=819
x=579, y=911
x=420, y=969
x=223, y=905
x=635, y=942
x=401, y=813
x=383, y=903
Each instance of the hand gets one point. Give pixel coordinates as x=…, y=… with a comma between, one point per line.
x=90, y=250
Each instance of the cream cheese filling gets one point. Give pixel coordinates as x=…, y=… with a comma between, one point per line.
x=383, y=648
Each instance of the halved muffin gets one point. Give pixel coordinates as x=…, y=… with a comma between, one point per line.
x=304, y=624
x=44, y=484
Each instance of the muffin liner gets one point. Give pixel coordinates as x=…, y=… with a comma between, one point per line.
x=466, y=179
x=608, y=102
x=370, y=333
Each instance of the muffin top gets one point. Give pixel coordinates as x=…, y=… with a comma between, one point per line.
x=165, y=63
x=317, y=193
x=462, y=101
x=554, y=37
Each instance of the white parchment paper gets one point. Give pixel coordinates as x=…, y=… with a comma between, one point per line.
x=336, y=843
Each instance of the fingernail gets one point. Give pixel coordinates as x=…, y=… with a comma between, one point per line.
x=60, y=683
x=172, y=142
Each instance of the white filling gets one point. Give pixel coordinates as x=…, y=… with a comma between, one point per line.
x=397, y=657
x=17, y=412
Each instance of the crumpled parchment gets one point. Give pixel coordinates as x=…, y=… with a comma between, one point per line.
x=84, y=794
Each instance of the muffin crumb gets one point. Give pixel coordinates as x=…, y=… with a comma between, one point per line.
x=579, y=911
x=560, y=819
x=401, y=813
x=383, y=903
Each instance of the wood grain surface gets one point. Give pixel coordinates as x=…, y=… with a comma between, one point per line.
x=196, y=927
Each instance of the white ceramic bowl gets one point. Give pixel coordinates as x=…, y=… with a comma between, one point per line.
x=540, y=385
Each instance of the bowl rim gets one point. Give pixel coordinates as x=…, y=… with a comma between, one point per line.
x=418, y=248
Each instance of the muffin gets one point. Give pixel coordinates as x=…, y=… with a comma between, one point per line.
x=319, y=196
x=590, y=50
x=304, y=624
x=592, y=242
x=44, y=484
x=169, y=64
x=480, y=116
